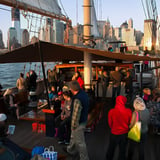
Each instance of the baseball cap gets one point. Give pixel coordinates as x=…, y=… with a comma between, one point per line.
x=3, y=117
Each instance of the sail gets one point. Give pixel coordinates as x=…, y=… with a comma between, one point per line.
x=46, y=5
x=94, y=28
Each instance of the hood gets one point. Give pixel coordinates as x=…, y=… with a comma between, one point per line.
x=139, y=104
x=120, y=102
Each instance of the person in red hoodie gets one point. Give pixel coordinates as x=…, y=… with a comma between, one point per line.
x=77, y=76
x=119, y=119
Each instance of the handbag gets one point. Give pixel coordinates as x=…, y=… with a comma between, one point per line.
x=135, y=132
x=49, y=153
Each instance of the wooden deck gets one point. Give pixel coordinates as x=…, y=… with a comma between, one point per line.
x=97, y=141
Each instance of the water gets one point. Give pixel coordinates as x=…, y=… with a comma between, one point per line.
x=9, y=72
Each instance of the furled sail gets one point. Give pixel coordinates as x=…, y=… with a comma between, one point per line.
x=49, y=8
x=94, y=28
x=46, y=5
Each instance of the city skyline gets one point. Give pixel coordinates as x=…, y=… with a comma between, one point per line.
x=117, y=13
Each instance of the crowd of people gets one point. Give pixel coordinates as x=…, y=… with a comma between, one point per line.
x=73, y=112
x=73, y=118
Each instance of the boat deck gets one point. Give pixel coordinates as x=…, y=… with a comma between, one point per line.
x=97, y=141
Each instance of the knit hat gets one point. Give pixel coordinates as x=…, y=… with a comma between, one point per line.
x=74, y=85
x=139, y=104
x=3, y=117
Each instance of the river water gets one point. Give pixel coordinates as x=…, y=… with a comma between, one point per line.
x=9, y=72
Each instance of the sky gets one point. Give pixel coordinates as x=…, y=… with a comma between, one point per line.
x=117, y=11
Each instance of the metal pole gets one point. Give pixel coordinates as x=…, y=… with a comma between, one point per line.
x=141, y=81
x=43, y=70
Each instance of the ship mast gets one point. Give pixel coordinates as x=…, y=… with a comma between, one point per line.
x=87, y=37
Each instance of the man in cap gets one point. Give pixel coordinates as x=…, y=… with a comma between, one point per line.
x=79, y=113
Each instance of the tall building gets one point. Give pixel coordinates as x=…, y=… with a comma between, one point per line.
x=12, y=37
x=101, y=25
x=117, y=33
x=128, y=35
x=77, y=33
x=16, y=22
x=106, y=29
x=42, y=33
x=1, y=40
x=49, y=30
x=130, y=23
x=25, y=37
x=58, y=31
x=149, y=34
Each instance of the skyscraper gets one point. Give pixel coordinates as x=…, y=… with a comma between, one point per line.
x=12, y=37
x=1, y=40
x=150, y=34
x=25, y=37
x=16, y=22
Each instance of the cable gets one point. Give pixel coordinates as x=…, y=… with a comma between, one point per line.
x=63, y=8
x=76, y=11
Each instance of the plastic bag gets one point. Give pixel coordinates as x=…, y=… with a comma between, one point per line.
x=135, y=132
x=49, y=153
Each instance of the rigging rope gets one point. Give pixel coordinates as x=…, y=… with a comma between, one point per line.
x=77, y=12
x=63, y=8
x=149, y=25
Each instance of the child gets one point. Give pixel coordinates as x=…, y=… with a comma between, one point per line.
x=52, y=94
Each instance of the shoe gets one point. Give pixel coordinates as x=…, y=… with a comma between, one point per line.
x=61, y=142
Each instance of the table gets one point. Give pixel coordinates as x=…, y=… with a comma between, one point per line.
x=44, y=115
x=33, y=116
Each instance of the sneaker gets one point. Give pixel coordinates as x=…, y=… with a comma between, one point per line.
x=61, y=142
